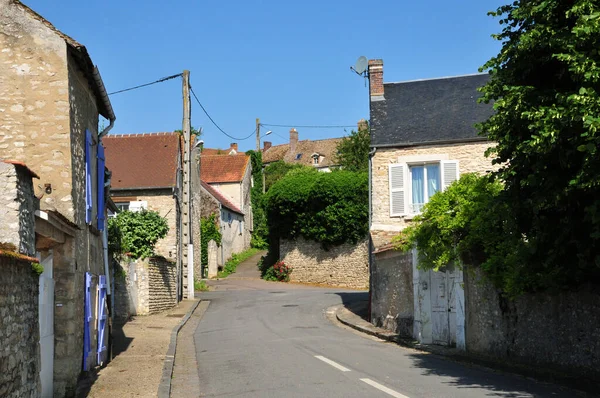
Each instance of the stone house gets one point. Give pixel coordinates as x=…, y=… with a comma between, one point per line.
x=145, y=170
x=51, y=96
x=423, y=137
x=230, y=176
x=230, y=221
x=320, y=154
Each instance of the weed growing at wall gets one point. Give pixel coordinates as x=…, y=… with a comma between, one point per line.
x=235, y=260
x=329, y=208
x=209, y=231
x=136, y=233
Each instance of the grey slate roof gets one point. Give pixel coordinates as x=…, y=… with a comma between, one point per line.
x=426, y=111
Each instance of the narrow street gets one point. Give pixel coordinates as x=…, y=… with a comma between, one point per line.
x=267, y=339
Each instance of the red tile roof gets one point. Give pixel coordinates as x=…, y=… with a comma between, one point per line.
x=326, y=148
x=217, y=151
x=218, y=168
x=225, y=202
x=20, y=164
x=142, y=160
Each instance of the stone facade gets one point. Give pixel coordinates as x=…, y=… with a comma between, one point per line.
x=560, y=332
x=233, y=234
x=144, y=287
x=46, y=104
x=470, y=158
x=17, y=208
x=163, y=202
x=391, y=289
x=19, y=329
x=346, y=265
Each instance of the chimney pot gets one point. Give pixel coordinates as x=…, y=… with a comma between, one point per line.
x=293, y=140
x=376, y=78
x=234, y=145
x=267, y=145
x=362, y=125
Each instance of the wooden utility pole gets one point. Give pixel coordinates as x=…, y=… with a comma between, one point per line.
x=257, y=135
x=187, y=271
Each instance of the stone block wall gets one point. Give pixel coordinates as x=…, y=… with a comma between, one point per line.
x=17, y=208
x=346, y=265
x=392, y=305
x=162, y=284
x=19, y=329
x=560, y=332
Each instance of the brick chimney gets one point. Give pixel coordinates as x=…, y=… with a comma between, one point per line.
x=234, y=145
x=376, y=79
x=362, y=125
x=293, y=140
x=267, y=145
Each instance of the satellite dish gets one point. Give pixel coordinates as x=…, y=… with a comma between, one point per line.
x=361, y=64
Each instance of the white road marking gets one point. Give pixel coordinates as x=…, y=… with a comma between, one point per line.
x=334, y=364
x=386, y=390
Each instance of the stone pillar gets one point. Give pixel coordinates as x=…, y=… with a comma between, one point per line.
x=213, y=250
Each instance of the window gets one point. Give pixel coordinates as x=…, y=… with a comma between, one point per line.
x=298, y=156
x=413, y=184
x=424, y=182
x=122, y=206
x=316, y=159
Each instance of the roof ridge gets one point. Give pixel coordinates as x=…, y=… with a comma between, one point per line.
x=161, y=133
x=437, y=78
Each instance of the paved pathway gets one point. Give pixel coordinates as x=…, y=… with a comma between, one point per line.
x=269, y=339
x=248, y=269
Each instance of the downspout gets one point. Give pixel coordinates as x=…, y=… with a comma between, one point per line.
x=371, y=154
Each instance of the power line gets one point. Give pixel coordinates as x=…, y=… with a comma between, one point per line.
x=164, y=79
x=216, y=125
x=306, y=127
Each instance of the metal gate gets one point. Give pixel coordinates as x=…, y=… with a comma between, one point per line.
x=46, y=323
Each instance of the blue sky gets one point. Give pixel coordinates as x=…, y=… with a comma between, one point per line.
x=284, y=62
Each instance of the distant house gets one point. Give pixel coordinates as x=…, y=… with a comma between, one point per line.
x=320, y=154
x=145, y=172
x=423, y=137
x=230, y=220
x=228, y=179
x=52, y=97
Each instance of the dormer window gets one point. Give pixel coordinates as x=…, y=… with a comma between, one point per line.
x=316, y=157
x=298, y=156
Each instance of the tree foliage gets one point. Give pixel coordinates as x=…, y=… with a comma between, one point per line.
x=259, y=220
x=353, y=151
x=209, y=230
x=330, y=208
x=136, y=233
x=545, y=84
x=277, y=170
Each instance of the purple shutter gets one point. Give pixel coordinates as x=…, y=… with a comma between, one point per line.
x=87, y=344
x=101, y=187
x=88, y=176
x=102, y=321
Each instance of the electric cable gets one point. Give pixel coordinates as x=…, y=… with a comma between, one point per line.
x=164, y=79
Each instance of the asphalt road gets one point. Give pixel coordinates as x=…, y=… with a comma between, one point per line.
x=260, y=339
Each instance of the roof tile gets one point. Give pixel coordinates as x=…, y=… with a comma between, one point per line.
x=218, y=168
x=220, y=197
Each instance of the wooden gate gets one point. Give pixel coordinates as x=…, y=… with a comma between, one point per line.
x=46, y=324
x=102, y=321
x=443, y=307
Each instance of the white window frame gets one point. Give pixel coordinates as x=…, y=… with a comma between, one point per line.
x=411, y=208
x=446, y=178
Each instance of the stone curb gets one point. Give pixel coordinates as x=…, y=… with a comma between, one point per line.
x=164, y=388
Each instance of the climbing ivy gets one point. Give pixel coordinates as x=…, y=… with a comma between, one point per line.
x=136, y=233
x=209, y=231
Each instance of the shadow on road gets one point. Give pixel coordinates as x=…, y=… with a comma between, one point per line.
x=356, y=302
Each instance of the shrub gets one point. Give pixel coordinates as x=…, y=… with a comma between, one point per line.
x=278, y=272
x=330, y=208
x=209, y=231
x=136, y=233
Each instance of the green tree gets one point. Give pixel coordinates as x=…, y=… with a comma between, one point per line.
x=277, y=170
x=353, y=151
x=259, y=230
x=545, y=85
x=193, y=131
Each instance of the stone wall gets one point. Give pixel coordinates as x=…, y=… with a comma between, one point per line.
x=560, y=332
x=17, y=208
x=19, y=329
x=346, y=265
x=162, y=284
x=34, y=103
x=391, y=287
x=470, y=158
x=144, y=287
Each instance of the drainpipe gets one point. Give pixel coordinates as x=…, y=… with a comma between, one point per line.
x=371, y=154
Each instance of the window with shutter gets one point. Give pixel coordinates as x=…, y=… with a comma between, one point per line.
x=449, y=172
x=88, y=177
x=397, y=180
x=100, y=189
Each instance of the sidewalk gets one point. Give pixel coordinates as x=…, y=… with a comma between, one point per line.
x=139, y=349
